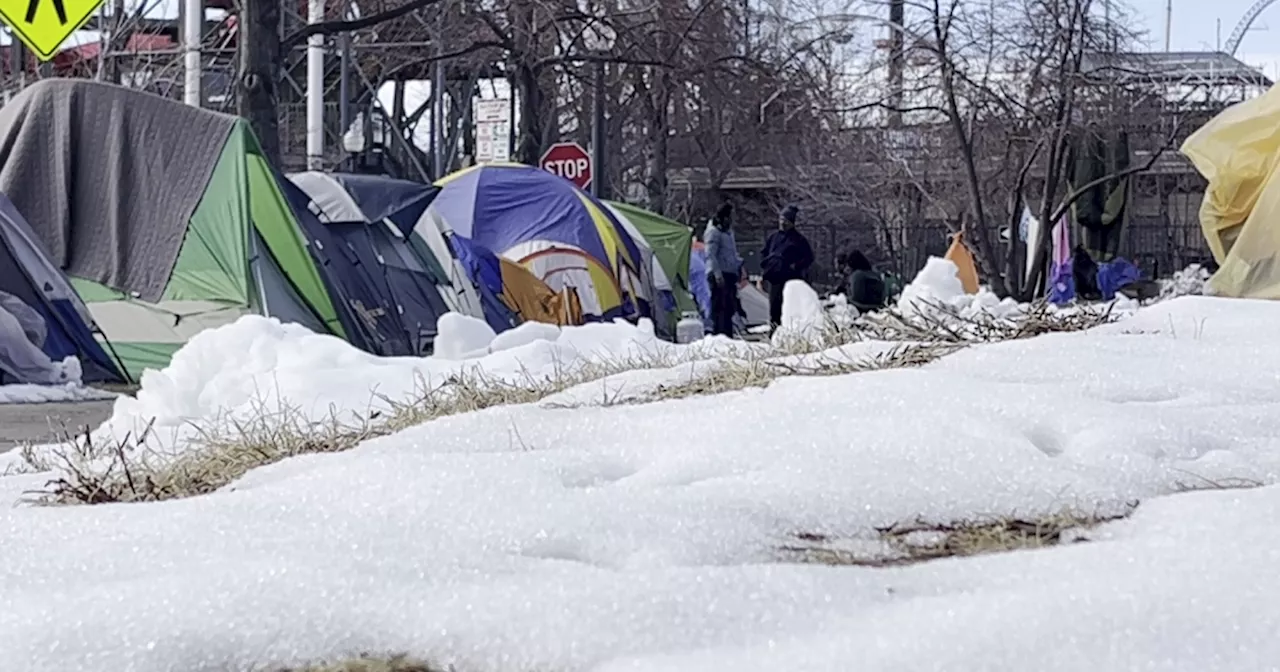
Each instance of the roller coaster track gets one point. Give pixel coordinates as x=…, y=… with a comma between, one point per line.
x=1250, y=16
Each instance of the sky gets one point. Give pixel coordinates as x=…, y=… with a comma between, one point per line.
x=1195, y=28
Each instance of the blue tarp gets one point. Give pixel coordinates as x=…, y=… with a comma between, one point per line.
x=1115, y=275
x=380, y=197
x=485, y=269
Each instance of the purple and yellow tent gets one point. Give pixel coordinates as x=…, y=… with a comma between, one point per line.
x=546, y=224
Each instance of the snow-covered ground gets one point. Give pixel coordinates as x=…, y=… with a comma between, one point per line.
x=573, y=536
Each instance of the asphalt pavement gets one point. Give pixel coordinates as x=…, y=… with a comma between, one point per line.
x=40, y=423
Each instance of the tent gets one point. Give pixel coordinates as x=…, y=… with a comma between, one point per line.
x=369, y=222
x=166, y=218
x=566, y=237
x=1238, y=152
x=671, y=243
x=42, y=320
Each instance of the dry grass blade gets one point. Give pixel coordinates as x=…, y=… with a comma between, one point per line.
x=1199, y=482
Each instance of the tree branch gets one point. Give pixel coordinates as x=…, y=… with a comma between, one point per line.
x=1075, y=195
x=332, y=27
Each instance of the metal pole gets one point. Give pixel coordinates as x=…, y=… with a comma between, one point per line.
x=1168, y=25
x=193, y=32
x=344, y=84
x=438, y=86
x=315, y=89
x=344, y=94
x=511, y=124
x=597, y=131
x=437, y=121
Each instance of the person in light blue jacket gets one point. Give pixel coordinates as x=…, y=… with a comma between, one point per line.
x=723, y=266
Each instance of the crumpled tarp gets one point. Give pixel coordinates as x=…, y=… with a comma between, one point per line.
x=1238, y=152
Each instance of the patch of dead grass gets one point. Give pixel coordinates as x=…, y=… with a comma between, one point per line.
x=933, y=321
x=921, y=542
x=130, y=470
x=369, y=663
x=737, y=375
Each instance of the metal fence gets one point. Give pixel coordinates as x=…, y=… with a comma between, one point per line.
x=1160, y=240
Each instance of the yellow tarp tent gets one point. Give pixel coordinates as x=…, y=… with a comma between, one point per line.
x=1238, y=152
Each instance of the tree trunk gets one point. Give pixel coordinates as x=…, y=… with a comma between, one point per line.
x=658, y=101
x=260, y=60
x=529, y=94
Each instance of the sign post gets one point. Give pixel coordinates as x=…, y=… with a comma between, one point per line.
x=43, y=25
x=570, y=161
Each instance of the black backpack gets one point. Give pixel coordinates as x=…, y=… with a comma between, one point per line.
x=866, y=290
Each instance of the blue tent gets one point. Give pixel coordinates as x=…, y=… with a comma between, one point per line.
x=43, y=320
x=354, y=275
x=370, y=243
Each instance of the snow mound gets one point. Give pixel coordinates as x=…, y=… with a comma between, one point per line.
x=803, y=315
x=937, y=285
x=461, y=336
x=236, y=371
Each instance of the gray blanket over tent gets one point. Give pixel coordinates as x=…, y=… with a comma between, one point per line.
x=108, y=180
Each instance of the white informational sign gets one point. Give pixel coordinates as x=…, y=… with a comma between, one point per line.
x=493, y=130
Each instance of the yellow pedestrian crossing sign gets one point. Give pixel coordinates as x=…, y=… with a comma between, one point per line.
x=43, y=25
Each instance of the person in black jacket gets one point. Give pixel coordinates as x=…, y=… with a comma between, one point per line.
x=786, y=256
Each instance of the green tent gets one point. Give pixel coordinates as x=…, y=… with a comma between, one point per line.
x=671, y=242
x=167, y=218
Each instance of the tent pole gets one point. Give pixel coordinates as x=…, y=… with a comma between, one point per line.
x=124, y=371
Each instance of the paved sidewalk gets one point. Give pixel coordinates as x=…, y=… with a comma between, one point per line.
x=43, y=422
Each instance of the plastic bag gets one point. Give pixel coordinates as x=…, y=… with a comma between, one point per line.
x=1238, y=152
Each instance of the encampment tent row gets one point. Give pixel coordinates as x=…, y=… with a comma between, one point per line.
x=133, y=222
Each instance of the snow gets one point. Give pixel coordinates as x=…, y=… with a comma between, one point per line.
x=803, y=315
x=459, y=335
x=937, y=285
x=20, y=393
x=1190, y=281
x=576, y=534
x=258, y=364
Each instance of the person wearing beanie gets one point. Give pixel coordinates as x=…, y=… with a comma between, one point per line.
x=723, y=266
x=787, y=256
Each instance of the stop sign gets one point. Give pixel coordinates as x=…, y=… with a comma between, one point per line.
x=570, y=161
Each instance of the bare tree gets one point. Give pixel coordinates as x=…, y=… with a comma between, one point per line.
x=1015, y=83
